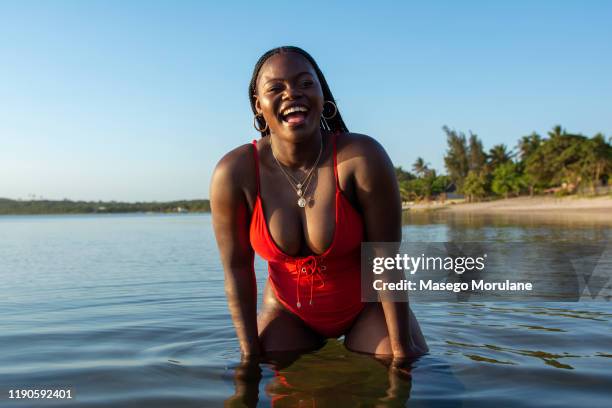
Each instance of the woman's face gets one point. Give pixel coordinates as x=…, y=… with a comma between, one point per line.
x=289, y=96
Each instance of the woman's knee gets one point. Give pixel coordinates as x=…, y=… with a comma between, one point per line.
x=280, y=331
x=370, y=334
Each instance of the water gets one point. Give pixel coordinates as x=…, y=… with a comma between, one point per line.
x=129, y=310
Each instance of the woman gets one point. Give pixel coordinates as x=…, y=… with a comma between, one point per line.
x=304, y=197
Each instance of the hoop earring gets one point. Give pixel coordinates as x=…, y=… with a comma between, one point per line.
x=255, y=123
x=335, y=110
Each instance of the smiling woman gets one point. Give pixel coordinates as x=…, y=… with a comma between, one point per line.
x=304, y=197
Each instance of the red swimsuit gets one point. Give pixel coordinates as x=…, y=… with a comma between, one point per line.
x=323, y=290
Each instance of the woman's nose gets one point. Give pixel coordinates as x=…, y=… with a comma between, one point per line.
x=292, y=92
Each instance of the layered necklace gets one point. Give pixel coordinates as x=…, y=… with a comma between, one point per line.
x=300, y=187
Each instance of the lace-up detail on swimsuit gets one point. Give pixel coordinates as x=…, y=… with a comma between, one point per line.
x=311, y=268
x=331, y=279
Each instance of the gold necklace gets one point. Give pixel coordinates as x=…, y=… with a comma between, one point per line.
x=299, y=187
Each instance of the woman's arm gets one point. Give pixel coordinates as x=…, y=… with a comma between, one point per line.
x=231, y=217
x=378, y=195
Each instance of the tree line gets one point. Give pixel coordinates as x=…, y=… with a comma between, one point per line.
x=8, y=206
x=563, y=163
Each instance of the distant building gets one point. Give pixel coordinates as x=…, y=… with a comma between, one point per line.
x=451, y=192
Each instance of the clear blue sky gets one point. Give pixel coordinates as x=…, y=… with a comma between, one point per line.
x=127, y=100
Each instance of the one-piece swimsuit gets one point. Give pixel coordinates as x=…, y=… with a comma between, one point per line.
x=324, y=290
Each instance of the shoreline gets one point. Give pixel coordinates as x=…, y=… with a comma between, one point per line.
x=601, y=205
x=61, y=207
x=143, y=213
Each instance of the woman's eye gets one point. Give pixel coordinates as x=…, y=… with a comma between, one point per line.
x=274, y=89
x=307, y=83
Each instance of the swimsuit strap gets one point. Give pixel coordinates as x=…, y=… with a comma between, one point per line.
x=256, y=163
x=336, y=163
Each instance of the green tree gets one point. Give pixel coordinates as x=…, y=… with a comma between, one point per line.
x=440, y=184
x=412, y=190
x=420, y=167
x=506, y=179
x=574, y=160
x=527, y=145
x=429, y=178
x=563, y=156
x=403, y=175
x=499, y=155
x=597, y=160
x=456, y=158
x=423, y=188
x=403, y=179
x=557, y=131
x=474, y=186
x=477, y=156
x=537, y=169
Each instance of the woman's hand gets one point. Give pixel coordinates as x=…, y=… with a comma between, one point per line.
x=251, y=351
x=404, y=357
x=402, y=367
x=247, y=376
x=410, y=352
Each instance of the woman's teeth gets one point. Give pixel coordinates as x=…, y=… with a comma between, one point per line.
x=294, y=109
x=294, y=115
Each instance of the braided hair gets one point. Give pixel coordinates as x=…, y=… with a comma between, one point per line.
x=335, y=124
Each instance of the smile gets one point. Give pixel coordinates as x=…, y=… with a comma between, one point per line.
x=294, y=115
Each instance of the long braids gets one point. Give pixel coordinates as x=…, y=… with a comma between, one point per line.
x=335, y=124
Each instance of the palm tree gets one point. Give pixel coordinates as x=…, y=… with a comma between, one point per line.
x=528, y=144
x=556, y=131
x=498, y=155
x=420, y=167
x=403, y=175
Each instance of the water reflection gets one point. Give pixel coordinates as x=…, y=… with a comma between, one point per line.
x=331, y=376
x=334, y=376
x=551, y=219
x=438, y=226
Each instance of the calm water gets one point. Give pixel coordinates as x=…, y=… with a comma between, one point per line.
x=129, y=310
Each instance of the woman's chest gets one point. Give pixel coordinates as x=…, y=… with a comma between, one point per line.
x=301, y=231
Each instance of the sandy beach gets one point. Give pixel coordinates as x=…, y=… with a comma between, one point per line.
x=535, y=204
x=599, y=205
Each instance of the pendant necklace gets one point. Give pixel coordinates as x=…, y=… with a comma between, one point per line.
x=300, y=187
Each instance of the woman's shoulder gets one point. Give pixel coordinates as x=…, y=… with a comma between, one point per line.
x=359, y=147
x=236, y=167
x=365, y=160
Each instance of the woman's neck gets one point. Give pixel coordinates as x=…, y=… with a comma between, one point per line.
x=297, y=155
